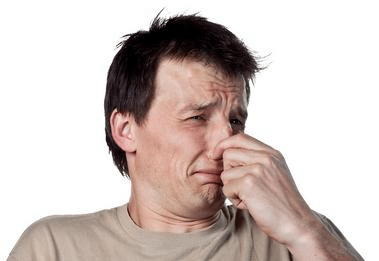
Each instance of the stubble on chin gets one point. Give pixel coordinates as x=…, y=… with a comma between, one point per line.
x=213, y=194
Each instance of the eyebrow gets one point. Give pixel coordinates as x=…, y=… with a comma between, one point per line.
x=208, y=105
x=198, y=107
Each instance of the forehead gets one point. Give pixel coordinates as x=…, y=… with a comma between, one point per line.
x=193, y=79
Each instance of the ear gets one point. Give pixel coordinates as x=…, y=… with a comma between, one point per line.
x=122, y=125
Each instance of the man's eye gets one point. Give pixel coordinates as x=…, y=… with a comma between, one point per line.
x=198, y=118
x=236, y=122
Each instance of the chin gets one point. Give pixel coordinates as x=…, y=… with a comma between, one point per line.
x=213, y=197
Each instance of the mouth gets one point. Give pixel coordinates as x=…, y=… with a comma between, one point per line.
x=209, y=176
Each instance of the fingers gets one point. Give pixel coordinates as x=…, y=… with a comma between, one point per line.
x=241, y=184
x=241, y=173
x=232, y=186
x=256, y=178
x=240, y=141
x=240, y=157
x=260, y=189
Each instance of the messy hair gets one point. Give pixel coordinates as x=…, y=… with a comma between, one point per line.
x=131, y=76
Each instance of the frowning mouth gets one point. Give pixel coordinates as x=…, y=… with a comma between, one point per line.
x=209, y=176
x=209, y=171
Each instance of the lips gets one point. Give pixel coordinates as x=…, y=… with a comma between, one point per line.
x=209, y=171
x=209, y=175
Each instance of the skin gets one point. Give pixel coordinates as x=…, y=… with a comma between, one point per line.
x=191, y=153
x=193, y=110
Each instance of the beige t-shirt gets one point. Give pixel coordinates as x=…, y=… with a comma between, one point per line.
x=112, y=235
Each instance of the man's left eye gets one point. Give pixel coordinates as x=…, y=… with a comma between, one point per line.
x=236, y=122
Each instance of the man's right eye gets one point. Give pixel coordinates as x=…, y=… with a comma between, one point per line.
x=198, y=118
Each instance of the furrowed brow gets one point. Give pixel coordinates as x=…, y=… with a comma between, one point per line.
x=197, y=107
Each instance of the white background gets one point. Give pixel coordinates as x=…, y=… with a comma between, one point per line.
x=316, y=103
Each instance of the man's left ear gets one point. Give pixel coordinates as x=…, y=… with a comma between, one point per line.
x=122, y=125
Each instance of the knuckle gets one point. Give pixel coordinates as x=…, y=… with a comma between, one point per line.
x=249, y=180
x=258, y=169
x=267, y=159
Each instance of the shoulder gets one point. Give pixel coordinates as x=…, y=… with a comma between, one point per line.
x=334, y=230
x=41, y=240
x=67, y=224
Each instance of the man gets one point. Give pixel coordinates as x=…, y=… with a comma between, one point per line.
x=175, y=108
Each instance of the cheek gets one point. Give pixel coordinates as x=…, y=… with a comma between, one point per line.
x=192, y=138
x=169, y=151
x=183, y=148
x=185, y=144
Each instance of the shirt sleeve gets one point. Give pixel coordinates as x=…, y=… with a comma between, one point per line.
x=338, y=234
x=35, y=244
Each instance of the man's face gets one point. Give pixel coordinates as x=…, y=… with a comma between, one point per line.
x=195, y=107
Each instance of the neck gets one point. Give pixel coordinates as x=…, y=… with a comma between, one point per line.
x=152, y=217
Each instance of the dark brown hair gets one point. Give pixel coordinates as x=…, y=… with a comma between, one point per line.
x=131, y=76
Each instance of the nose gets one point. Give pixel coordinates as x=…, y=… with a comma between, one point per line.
x=219, y=132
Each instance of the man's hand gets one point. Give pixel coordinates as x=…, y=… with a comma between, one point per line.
x=256, y=178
